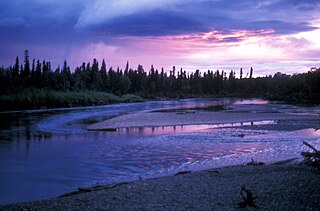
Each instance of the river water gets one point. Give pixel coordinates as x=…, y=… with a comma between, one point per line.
x=45, y=153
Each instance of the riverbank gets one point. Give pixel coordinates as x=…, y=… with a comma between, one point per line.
x=44, y=98
x=278, y=187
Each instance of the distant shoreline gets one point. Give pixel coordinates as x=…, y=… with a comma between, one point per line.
x=48, y=99
x=33, y=99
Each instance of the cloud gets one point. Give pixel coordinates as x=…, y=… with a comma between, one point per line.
x=11, y=22
x=167, y=28
x=281, y=27
x=104, y=19
x=305, y=5
x=220, y=38
x=161, y=18
x=156, y=23
x=98, y=11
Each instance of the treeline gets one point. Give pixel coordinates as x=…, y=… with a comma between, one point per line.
x=154, y=83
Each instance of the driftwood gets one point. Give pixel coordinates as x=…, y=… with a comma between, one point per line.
x=312, y=147
x=311, y=158
x=248, y=198
x=92, y=189
x=255, y=163
x=182, y=172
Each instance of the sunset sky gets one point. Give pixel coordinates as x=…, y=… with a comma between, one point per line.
x=270, y=35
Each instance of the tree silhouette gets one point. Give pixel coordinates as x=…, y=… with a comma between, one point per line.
x=251, y=72
x=153, y=84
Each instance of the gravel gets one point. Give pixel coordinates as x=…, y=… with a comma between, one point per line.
x=278, y=187
x=171, y=119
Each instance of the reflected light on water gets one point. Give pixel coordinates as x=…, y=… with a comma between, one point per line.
x=251, y=102
x=147, y=131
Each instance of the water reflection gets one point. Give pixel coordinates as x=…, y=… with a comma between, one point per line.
x=75, y=121
x=219, y=106
x=251, y=102
x=147, y=131
x=20, y=127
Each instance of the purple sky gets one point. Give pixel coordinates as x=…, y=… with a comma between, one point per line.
x=270, y=35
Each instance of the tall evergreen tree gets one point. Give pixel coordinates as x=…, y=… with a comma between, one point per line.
x=16, y=72
x=103, y=72
x=25, y=72
x=38, y=74
x=127, y=68
x=251, y=72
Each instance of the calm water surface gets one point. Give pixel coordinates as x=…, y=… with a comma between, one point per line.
x=46, y=153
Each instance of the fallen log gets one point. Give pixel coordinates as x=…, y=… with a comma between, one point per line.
x=182, y=172
x=92, y=189
x=310, y=146
x=311, y=158
x=255, y=163
x=309, y=154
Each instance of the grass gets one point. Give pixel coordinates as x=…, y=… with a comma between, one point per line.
x=42, y=98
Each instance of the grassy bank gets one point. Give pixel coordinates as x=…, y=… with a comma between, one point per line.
x=42, y=98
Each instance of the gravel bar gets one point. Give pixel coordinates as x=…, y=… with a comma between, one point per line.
x=278, y=187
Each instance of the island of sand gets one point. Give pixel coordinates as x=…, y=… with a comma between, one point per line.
x=231, y=114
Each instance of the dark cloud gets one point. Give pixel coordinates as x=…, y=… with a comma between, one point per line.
x=202, y=16
x=224, y=40
x=281, y=27
x=305, y=5
x=37, y=21
x=155, y=23
x=54, y=20
x=11, y=22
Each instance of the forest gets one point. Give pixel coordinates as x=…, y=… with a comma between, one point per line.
x=35, y=84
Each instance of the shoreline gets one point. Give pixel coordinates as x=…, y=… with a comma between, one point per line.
x=281, y=185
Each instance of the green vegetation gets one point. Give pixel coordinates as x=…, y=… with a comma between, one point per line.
x=44, y=98
x=35, y=84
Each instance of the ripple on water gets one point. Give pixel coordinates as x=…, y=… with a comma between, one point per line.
x=167, y=154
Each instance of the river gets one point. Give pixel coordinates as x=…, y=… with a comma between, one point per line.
x=45, y=153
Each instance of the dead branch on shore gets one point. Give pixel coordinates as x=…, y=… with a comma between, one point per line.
x=92, y=189
x=311, y=158
x=182, y=172
x=248, y=199
x=255, y=163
